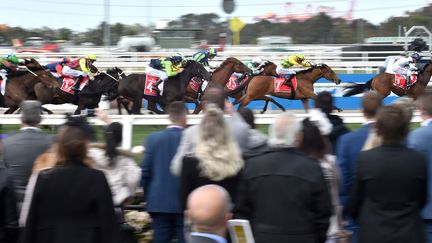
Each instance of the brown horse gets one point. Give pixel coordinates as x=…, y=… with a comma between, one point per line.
x=269, y=69
x=220, y=76
x=89, y=98
x=131, y=89
x=384, y=84
x=261, y=86
x=20, y=85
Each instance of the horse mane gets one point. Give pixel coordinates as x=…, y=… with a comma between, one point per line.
x=19, y=73
x=229, y=59
x=320, y=65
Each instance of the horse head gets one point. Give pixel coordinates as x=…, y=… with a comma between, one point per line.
x=328, y=73
x=197, y=70
x=234, y=65
x=269, y=68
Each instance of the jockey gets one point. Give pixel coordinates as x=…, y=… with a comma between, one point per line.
x=8, y=64
x=292, y=61
x=79, y=69
x=57, y=67
x=254, y=65
x=203, y=56
x=405, y=66
x=164, y=68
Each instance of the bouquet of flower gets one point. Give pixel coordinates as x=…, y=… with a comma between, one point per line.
x=140, y=221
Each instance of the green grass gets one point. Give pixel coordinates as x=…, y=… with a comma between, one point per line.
x=140, y=133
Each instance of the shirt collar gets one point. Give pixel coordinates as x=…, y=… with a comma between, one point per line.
x=217, y=238
x=30, y=128
x=175, y=126
x=426, y=122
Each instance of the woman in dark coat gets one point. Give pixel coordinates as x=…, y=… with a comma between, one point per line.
x=390, y=189
x=71, y=202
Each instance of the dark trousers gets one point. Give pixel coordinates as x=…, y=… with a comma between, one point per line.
x=166, y=226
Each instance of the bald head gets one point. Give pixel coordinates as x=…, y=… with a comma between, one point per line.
x=215, y=95
x=208, y=208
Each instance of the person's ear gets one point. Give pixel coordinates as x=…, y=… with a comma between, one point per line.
x=228, y=216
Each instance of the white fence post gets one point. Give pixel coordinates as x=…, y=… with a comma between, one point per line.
x=127, y=122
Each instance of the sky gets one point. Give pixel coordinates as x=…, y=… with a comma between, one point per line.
x=80, y=15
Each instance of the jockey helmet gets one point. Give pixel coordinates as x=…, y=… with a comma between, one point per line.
x=91, y=57
x=256, y=60
x=416, y=56
x=213, y=52
x=176, y=59
x=301, y=57
x=12, y=58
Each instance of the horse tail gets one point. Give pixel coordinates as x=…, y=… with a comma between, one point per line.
x=240, y=87
x=354, y=89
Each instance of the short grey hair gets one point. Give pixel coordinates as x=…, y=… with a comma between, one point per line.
x=283, y=132
x=31, y=112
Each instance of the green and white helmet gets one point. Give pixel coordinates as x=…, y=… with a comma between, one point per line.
x=12, y=58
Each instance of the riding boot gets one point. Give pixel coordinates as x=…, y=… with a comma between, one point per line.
x=287, y=80
x=77, y=84
x=155, y=86
x=240, y=79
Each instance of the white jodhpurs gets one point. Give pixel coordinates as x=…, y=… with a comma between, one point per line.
x=67, y=71
x=158, y=73
x=284, y=71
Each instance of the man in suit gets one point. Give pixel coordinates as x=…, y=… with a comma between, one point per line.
x=419, y=140
x=238, y=127
x=21, y=149
x=349, y=146
x=390, y=186
x=161, y=188
x=283, y=192
x=208, y=211
x=8, y=210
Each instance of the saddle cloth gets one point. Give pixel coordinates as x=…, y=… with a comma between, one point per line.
x=148, y=87
x=279, y=86
x=69, y=82
x=232, y=85
x=400, y=80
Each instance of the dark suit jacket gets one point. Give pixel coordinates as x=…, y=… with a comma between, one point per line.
x=347, y=151
x=337, y=131
x=161, y=188
x=71, y=203
x=388, y=194
x=191, y=179
x=284, y=195
x=420, y=140
x=19, y=153
x=8, y=210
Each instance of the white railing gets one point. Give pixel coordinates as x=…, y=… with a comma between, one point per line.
x=129, y=121
x=340, y=61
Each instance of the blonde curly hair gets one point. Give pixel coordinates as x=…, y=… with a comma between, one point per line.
x=219, y=156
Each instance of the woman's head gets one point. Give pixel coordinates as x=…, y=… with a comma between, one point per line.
x=392, y=124
x=324, y=101
x=313, y=143
x=72, y=144
x=113, y=138
x=219, y=156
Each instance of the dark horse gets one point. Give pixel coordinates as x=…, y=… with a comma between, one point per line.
x=20, y=85
x=220, y=76
x=131, y=88
x=261, y=86
x=89, y=98
x=384, y=84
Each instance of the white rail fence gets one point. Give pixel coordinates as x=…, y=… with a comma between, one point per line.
x=129, y=121
x=340, y=61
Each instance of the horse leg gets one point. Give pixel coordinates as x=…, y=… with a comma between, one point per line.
x=270, y=99
x=119, y=104
x=136, y=106
x=46, y=110
x=265, y=107
x=152, y=107
x=11, y=110
x=197, y=109
x=305, y=102
x=78, y=110
x=245, y=100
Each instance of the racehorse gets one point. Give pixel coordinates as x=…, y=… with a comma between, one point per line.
x=384, y=84
x=220, y=76
x=89, y=98
x=20, y=85
x=132, y=87
x=261, y=86
x=269, y=69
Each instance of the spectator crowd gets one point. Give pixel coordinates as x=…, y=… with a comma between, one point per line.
x=308, y=181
